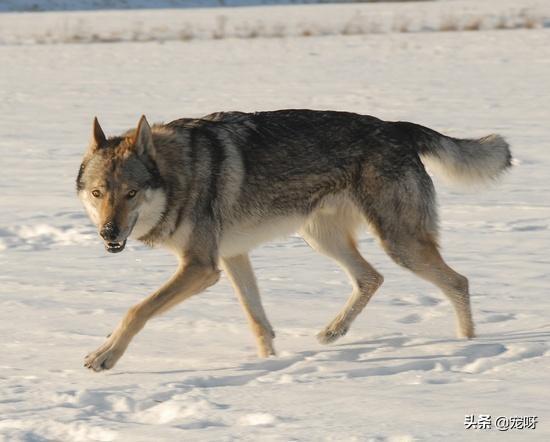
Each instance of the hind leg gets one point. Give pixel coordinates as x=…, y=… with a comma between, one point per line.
x=402, y=212
x=332, y=235
x=421, y=256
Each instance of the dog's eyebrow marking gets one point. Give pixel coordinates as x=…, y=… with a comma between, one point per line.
x=79, y=184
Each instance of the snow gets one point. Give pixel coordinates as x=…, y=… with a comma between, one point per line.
x=399, y=375
x=270, y=21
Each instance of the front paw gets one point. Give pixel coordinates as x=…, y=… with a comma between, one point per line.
x=105, y=357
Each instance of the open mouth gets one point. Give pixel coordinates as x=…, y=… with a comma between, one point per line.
x=115, y=247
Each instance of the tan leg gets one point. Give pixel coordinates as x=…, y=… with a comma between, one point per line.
x=189, y=280
x=239, y=270
x=328, y=234
x=424, y=259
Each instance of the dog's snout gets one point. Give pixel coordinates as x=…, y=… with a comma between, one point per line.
x=109, y=232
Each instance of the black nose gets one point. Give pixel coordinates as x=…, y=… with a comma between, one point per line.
x=109, y=232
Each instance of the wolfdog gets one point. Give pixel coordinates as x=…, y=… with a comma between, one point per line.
x=211, y=189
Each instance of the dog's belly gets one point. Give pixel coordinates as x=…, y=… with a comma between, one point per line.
x=242, y=237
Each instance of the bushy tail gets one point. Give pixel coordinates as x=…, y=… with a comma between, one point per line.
x=462, y=160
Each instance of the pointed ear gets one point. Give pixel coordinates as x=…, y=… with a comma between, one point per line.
x=143, y=143
x=98, y=136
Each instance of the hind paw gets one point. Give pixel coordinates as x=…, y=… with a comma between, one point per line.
x=331, y=334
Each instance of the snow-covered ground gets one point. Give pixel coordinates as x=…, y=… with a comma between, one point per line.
x=271, y=21
x=192, y=375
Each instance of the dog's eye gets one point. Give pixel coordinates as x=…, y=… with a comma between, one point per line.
x=132, y=193
x=96, y=193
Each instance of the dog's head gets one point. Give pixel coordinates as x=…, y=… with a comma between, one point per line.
x=120, y=185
